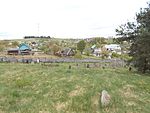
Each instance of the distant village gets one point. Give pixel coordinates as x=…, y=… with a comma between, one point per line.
x=96, y=47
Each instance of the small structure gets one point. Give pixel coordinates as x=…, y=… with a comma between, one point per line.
x=23, y=49
x=97, y=52
x=113, y=48
x=65, y=52
x=13, y=51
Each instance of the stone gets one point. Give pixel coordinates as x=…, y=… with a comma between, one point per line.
x=105, y=98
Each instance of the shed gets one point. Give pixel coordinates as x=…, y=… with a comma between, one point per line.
x=13, y=51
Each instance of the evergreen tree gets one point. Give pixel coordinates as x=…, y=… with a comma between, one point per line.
x=138, y=34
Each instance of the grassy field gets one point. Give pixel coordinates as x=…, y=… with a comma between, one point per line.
x=35, y=88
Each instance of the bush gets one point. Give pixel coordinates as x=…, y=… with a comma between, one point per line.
x=115, y=55
x=78, y=55
x=126, y=57
x=87, y=53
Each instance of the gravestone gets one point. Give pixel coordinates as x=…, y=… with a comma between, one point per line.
x=69, y=66
x=105, y=98
x=88, y=66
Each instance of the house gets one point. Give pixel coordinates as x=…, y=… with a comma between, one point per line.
x=113, y=48
x=66, y=52
x=23, y=49
x=13, y=51
x=97, y=52
x=33, y=45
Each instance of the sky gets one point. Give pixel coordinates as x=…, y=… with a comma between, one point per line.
x=65, y=18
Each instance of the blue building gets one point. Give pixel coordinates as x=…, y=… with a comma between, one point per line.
x=23, y=49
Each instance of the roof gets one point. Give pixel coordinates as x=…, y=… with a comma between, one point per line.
x=67, y=51
x=24, y=47
x=113, y=46
x=93, y=46
x=13, y=49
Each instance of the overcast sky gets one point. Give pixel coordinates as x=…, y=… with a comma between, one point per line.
x=65, y=18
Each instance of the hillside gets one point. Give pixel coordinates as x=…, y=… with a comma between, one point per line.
x=54, y=88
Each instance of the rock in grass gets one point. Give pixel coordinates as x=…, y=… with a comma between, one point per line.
x=105, y=98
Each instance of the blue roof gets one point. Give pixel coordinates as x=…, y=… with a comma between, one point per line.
x=24, y=47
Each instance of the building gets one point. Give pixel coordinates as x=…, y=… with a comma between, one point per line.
x=66, y=52
x=97, y=52
x=113, y=48
x=23, y=49
x=13, y=51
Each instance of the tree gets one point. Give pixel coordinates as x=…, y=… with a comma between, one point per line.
x=105, y=53
x=3, y=45
x=2, y=48
x=99, y=41
x=138, y=34
x=55, y=48
x=49, y=47
x=81, y=46
x=45, y=49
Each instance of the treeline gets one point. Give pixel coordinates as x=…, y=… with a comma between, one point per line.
x=27, y=37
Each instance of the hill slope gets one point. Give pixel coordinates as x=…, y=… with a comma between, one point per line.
x=27, y=88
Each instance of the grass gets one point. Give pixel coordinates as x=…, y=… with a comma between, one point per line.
x=35, y=88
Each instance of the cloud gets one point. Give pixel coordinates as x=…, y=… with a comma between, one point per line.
x=66, y=18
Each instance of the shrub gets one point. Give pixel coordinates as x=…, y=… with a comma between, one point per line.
x=115, y=55
x=78, y=55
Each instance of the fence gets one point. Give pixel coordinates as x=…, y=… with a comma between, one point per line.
x=96, y=62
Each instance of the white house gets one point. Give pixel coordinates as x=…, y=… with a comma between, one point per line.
x=97, y=52
x=114, y=48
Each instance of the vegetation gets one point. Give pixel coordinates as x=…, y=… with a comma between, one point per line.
x=81, y=46
x=76, y=87
x=52, y=46
x=54, y=88
x=78, y=55
x=3, y=45
x=138, y=34
x=15, y=44
x=99, y=41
